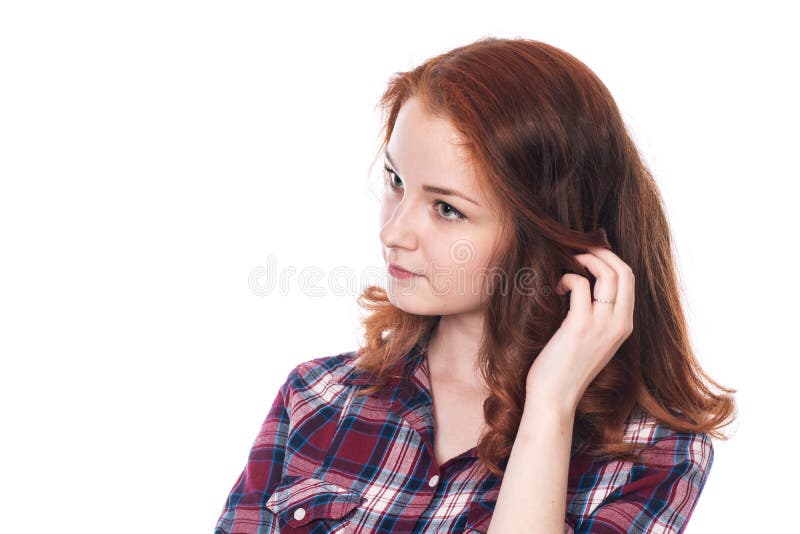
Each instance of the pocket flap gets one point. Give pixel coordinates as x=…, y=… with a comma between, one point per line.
x=298, y=500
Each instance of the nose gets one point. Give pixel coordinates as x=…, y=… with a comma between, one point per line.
x=398, y=228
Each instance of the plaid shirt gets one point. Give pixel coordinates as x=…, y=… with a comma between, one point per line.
x=325, y=461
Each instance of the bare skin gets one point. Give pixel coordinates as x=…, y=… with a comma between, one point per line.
x=457, y=407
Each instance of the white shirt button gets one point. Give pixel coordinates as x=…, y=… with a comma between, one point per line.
x=433, y=481
x=299, y=514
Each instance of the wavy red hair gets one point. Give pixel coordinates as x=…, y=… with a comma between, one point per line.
x=549, y=142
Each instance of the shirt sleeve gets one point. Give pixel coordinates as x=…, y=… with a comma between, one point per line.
x=244, y=506
x=658, y=496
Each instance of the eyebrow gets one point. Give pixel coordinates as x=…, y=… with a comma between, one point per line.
x=432, y=188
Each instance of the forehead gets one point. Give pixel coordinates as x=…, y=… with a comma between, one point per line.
x=425, y=149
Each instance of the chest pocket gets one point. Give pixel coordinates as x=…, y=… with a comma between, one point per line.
x=305, y=505
x=479, y=515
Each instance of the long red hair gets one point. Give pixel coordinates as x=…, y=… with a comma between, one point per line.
x=549, y=142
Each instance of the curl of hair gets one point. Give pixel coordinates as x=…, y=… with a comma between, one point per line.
x=551, y=146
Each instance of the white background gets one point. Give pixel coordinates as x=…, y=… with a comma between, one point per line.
x=153, y=154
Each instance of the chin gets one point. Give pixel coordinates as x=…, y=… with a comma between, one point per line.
x=414, y=304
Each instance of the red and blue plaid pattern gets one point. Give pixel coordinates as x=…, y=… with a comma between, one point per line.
x=326, y=461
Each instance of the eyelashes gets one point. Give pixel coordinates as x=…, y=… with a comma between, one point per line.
x=389, y=176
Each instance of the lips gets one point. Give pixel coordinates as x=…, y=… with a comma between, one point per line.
x=400, y=272
x=397, y=267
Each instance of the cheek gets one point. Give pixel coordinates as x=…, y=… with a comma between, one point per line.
x=465, y=253
x=460, y=261
x=470, y=264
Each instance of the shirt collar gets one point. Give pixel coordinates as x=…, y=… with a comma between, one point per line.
x=410, y=396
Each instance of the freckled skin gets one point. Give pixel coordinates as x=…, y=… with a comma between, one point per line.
x=422, y=231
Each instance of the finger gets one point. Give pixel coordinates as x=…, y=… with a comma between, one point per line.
x=580, y=300
x=606, y=285
x=626, y=282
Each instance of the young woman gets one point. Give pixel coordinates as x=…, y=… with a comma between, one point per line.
x=528, y=367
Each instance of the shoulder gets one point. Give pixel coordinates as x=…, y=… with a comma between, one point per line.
x=667, y=479
x=665, y=447
x=332, y=369
x=657, y=493
x=318, y=381
x=666, y=456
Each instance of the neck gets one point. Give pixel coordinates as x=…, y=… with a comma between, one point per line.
x=452, y=350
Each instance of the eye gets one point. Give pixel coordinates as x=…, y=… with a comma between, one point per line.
x=390, y=175
x=459, y=217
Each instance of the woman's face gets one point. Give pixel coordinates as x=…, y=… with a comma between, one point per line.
x=435, y=220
